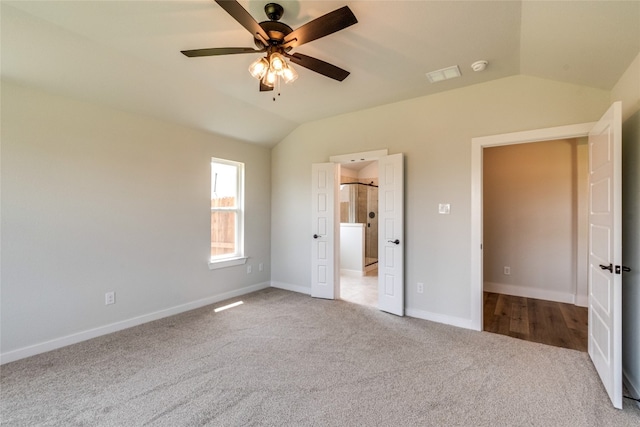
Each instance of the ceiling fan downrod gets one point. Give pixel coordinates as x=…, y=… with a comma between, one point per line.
x=273, y=11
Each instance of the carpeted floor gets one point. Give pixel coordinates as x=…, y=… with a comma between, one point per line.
x=285, y=359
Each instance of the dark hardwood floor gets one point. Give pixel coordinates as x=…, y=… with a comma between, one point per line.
x=547, y=322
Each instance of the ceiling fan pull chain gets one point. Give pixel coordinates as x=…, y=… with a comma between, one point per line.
x=277, y=87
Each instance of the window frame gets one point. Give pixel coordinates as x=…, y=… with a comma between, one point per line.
x=238, y=257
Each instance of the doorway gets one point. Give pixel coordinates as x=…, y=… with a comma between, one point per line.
x=478, y=145
x=325, y=220
x=359, y=232
x=535, y=215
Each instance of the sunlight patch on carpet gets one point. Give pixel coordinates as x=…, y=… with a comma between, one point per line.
x=225, y=307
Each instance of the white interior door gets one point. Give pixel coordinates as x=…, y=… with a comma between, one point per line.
x=325, y=263
x=391, y=234
x=605, y=251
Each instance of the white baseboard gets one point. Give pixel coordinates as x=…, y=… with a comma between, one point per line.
x=289, y=287
x=582, y=300
x=441, y=318
x=634, y=389
x=526, y=292
x=56, y=343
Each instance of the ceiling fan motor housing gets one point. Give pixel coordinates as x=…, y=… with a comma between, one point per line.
x=276, y=31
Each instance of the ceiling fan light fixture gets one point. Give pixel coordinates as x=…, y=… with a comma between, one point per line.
x=289, y=74
x=267, y=84
x=270, y=78
x=272, y=68
x=259, y=68
x=276, y=62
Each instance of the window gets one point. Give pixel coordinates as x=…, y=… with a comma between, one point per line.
x=227, y=219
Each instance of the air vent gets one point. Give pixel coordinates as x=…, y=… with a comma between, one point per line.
x=444, y=74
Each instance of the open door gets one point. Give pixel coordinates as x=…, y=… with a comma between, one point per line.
x=605, y=251
x=325, y=263
x=391, y=234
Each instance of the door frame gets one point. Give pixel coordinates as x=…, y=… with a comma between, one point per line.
x=477, y=146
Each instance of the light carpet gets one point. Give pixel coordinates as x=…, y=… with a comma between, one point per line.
x=285, y=359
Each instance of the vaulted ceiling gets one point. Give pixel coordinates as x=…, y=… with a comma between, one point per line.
x=126, y=54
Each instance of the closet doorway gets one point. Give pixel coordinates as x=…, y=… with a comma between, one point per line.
x=535, y=215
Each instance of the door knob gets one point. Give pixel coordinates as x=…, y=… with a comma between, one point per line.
x=621, y=268
x=397, y=242
x=315, y=236
x=607, y=267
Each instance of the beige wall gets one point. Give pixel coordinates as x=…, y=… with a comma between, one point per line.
x=369, y=174
x=435, y=134
x=348, y=175
x=534, y=201
x=627, y=89
x=97, y=200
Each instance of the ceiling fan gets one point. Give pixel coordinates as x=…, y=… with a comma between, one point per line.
x=277, y=39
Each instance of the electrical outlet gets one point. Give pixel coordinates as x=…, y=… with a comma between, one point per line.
x=261, y=266
x=109, y=298
x=420, y=288
x=249, y=269
x=507, y=271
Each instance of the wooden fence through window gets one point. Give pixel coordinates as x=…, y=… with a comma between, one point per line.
x=223, y=227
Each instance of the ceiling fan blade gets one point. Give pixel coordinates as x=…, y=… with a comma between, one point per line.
x=319, y=66
x=219, y=51
x=264, y=87
x=241, y=15
x=320, y=27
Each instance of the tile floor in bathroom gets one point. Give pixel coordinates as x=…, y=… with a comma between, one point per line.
x=361, y=290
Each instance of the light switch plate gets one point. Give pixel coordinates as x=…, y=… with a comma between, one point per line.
x=444, y=208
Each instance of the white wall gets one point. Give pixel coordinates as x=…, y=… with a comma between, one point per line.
x=532, y=207
x=435, y=134
x=97, y=200
x=352, y=248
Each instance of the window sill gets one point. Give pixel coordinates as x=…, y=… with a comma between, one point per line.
x=224, y=263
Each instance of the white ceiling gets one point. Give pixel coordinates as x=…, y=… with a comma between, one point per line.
x=126, y=54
